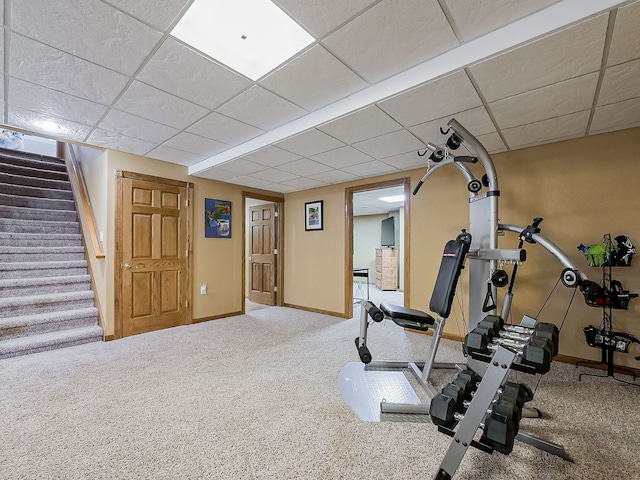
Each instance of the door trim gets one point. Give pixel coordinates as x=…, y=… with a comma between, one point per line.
x=348, y=260
x=278, y=244
x=118, y=240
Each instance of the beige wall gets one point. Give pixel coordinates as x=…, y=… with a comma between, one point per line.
x=582, y=188
x=217, y=262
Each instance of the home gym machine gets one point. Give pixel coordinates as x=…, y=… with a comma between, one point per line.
x=479, y=397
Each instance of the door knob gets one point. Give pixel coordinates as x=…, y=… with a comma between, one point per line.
x=126, y=265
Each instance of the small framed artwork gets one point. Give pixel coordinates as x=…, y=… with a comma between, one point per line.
x=313, y=215
x=217, y=218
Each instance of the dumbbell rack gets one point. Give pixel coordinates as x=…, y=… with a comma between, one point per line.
x=499, y=363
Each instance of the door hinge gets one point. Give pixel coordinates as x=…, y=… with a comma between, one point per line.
x=186, y=202
x=186, y=303
x=275, y=289
x=275, y=214
x=186, y=253
x=275, y=251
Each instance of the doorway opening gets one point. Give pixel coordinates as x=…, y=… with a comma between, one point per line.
x=377, y=243
x=262, y=277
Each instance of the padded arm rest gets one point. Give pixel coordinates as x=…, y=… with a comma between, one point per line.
x=407, y=317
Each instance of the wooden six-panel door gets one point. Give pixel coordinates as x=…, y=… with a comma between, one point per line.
x=154, y=256
x=262, y=270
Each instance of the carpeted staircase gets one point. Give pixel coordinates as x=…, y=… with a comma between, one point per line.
x=46, y=301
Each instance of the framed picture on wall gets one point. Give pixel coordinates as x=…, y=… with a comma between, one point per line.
x=313, y=215
x=217, y=218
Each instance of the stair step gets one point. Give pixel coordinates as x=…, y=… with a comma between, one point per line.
x=28, y=181
x=52, y=302
x=19, y=287
x=37, y=192
x=17, y=200
x=42, y=269
x=15, y=327
x=32, y=171
x=40, y=240
x=33, y=160
x=49, y=341
x=41, y=254
x=25, y=213
x=28, y=226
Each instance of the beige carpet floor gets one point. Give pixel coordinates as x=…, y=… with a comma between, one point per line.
x=255, y=397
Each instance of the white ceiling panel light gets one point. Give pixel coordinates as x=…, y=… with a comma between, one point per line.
x=250, y=36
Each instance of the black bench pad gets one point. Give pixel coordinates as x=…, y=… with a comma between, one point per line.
x=407, y=317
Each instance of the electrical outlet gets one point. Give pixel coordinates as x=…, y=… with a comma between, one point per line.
x=203, y=289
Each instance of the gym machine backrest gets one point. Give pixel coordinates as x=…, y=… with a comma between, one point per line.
x=451, y=266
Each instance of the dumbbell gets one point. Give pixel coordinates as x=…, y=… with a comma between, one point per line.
x=444, y=407
x=499, y=424
x=520, y=337
x=462, y=387
x=496, y=324
x=536, y=352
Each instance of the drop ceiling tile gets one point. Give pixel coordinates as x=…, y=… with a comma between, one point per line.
x=366, y=123
x=34, y=121
x=38, y=63
x=492, y=142
x=391, y=37
x=303, y=183
x=620, y=83
x=249, y=181
x=625, y=43
x=148, y=102
x=333, y=176
x=136, y=127
x=261, y=108
x=271, y=156
x=313, y=79
x=342, y=157
x=436, y=99
x=174, y=156
x=310, y=143
x=474, y=19
x=189, y=142
x=322, y=17
x=616, y=116
x=281, y=188
x=390, y=144
x=181, y=71
x=370, y=169
x=116, y=141
x=159, y=14
x=570, y=53
x=224, y=129
x=217, y=173
x=406, y=161
x=53, y=103
x=546, y=131
x=101, y=33
x=303, y=167
x=274, y=175
x=552, y=101
x=476, y=120
x=242, y=167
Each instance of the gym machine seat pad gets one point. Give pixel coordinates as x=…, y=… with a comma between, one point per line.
x=407, y=317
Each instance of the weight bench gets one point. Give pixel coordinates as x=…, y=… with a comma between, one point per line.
x=453, y=258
